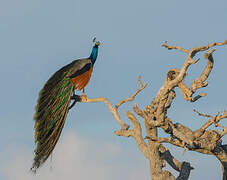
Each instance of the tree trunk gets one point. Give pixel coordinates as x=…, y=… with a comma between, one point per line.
x=221, y=154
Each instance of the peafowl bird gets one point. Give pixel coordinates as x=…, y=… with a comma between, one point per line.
x=54, y=103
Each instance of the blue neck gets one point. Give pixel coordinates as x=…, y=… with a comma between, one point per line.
x=94, y=54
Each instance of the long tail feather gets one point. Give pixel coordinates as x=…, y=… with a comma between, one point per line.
x=51, y=112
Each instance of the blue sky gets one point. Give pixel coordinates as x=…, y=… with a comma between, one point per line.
x=38, y=37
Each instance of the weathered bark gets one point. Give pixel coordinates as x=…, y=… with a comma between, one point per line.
x=155, y=116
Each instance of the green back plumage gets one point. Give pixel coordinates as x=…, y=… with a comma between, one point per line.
x=51, y=112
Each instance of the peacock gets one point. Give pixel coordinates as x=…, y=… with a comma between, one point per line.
x=54, y=103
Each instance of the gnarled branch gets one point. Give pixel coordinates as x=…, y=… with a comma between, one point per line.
x=202, y=140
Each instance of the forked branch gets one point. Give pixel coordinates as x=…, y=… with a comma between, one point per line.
x=114, y=110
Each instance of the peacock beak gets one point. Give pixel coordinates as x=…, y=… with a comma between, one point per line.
x=97, y=43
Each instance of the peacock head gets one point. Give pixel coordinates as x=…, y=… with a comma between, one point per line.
x=97, y=43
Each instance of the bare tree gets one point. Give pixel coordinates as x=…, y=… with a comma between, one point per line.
x=154, y=115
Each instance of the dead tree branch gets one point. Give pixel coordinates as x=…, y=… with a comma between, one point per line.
x=202, y=140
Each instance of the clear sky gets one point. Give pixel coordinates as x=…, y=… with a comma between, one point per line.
x=38, y=37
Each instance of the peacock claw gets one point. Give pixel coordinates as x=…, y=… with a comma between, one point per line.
x=84, y=97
